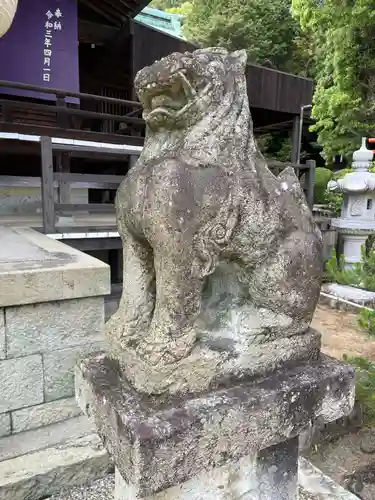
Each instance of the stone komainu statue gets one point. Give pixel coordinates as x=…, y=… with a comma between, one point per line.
x=222, y=260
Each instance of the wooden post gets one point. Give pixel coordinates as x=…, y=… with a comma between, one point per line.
x=295, y=139
x=48, y=198
x=310, y=182
x=63, y=166
x=7, y=113
x=132, y=59
x=115, y=263
x=62, y=118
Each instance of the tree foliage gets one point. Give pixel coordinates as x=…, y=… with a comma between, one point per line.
x=322, y=177
x=165, y=4
x=265, y=28
x=365, y=385
x=184, y=9
x=366, y=320
x=361, y=274
x=275, y=146
x=342, y=34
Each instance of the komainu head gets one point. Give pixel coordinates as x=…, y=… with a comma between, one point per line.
x=179, y=89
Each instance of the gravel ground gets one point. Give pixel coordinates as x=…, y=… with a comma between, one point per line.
x=102, y=489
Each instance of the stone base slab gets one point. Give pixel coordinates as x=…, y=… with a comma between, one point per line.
x=351, y=294
x=160, y=442
x=273, y=475
x=314, y=485
x=40, y=463
x=49, y=471
x=325, y=299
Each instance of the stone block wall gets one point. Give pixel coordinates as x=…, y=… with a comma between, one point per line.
x=39, y=346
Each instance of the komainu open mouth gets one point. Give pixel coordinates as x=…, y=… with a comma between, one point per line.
x=167, y=97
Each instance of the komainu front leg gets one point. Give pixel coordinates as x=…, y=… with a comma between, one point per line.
x=178, y=302
x=133, y=317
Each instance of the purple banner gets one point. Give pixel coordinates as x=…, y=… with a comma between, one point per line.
x=41, y=47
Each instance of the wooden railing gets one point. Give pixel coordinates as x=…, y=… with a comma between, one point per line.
x=51, y=179
x=113, y=181
x=63, y=119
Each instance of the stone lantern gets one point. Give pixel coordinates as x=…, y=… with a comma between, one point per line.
x=357, y=220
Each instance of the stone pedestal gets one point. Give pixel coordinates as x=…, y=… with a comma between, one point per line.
x=239, y=442
x=271, y=475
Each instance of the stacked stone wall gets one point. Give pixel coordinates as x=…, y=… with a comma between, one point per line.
x=39, y=346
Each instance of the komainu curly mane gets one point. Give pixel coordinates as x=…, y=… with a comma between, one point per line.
x=220, y=256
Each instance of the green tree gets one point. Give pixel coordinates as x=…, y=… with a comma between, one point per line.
x=265, y=28
x=275, y=146
x=342, y=34
x=184, y=9
x=165, y=4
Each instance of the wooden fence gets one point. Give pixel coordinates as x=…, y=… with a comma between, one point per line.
x=49, y=179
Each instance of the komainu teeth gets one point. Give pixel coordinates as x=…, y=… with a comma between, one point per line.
x=175, y=77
